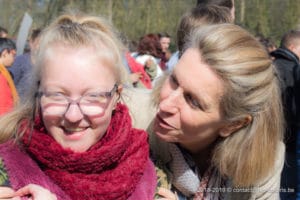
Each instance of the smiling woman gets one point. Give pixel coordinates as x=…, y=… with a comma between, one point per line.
x=73, y=136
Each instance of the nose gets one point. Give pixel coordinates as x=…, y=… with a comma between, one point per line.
x=73, y=113
x=172, y=102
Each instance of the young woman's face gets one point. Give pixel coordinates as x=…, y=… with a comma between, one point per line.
x=189, y=109
x=165, y=43
x=73, y=73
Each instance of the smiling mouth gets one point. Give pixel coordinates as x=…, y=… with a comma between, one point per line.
x=162, y=123
x=73, y=130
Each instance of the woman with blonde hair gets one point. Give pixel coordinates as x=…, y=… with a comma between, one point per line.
x=73, y=139
x=218, y=129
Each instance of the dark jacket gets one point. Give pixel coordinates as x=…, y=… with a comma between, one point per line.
x=21, y=71
x=287, y=65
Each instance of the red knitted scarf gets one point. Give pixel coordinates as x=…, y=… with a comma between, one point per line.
x=110, y=169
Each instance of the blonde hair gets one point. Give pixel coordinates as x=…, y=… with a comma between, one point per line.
x=71, y=30
x=252, y=89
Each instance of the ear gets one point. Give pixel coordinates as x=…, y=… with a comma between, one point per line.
x=232, y=127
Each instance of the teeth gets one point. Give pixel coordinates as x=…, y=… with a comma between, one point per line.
x=74, y=129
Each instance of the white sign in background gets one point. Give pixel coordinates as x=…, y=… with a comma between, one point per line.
x=23, y=33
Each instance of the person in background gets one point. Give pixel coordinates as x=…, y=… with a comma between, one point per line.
x=212, y=18
x=22, y=66
x=8, y=92
x=72, y=135
x=286, y=60
x=269, y=45
x=195, y=18
x=224, y=3
x=3, y=32
x=217, y=128
x=149, y=54
x=137, y=73
x=164, y=40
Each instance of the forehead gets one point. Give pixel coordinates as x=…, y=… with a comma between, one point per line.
x=165, y=39
x=77, y=64
x=198, y=77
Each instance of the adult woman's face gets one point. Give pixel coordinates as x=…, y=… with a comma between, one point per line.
x=73, y=73
x=189, y=109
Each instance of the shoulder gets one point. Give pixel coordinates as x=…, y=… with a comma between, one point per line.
x=173, y=60
x=147, y=185
x=3, y=81
x=268, y=188
x=139, y=103
x=7, y=156
x=20, y=62
x=23, y=59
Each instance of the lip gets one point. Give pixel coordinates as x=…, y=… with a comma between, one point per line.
x=74, y=133
x=77, y=129
x=163, y=124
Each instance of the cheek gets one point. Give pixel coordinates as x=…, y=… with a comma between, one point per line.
x=190, y=122
x=51, y=123
x=100, y=126
x=199, y=125
x=101, y=123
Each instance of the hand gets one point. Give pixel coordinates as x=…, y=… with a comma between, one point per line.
x=135, y=77
x=166, y=194
x=36, y=192
x=6, y=193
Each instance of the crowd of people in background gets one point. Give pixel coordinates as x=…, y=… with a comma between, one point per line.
x=93, y=117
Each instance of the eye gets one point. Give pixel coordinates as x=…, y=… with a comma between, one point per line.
x=95, y=98
x=55, y=96
x=192, y=102
x=173, y=81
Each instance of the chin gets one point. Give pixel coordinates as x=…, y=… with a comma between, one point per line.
x=165, y=137
x=76, y=148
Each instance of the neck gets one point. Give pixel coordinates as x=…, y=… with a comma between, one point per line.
x=202, y=157
x=202, y=160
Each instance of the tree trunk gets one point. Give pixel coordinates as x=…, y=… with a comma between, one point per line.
x=110, y=10
x=242, y=17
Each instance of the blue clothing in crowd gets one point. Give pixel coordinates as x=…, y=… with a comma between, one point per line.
x=21, y=72
x=173, y=61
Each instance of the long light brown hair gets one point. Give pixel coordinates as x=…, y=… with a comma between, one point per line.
x=251, y=88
